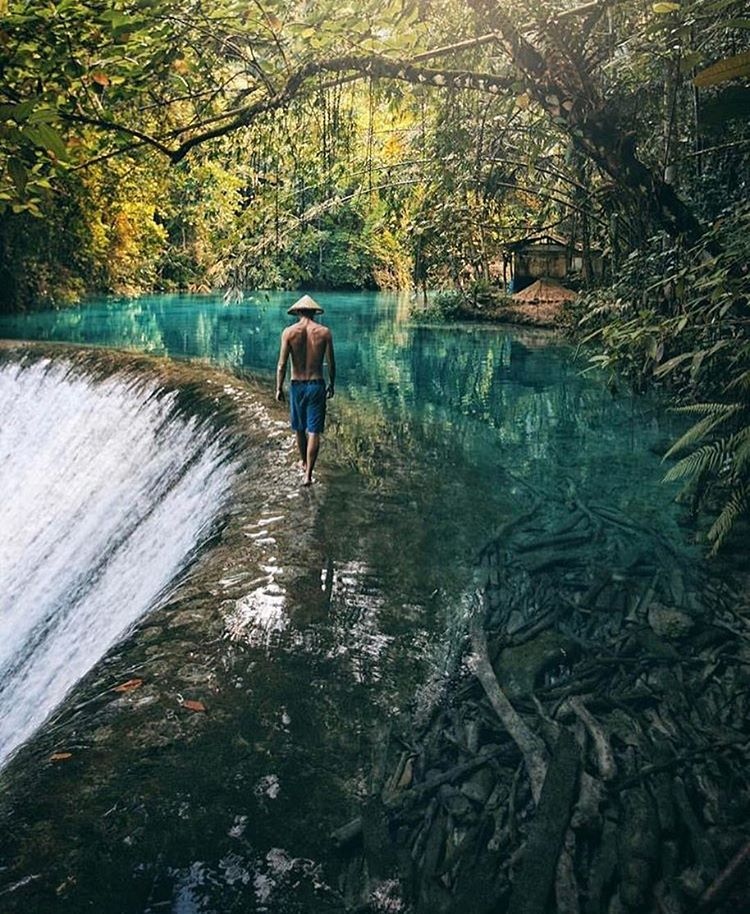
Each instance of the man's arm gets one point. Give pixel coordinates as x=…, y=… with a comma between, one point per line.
x=331, y=359
x=281, y=367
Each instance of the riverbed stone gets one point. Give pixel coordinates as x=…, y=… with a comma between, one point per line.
x=479, y=786
x=519, y=668
x=194, y=674
x=668, y=622
x=458, y=806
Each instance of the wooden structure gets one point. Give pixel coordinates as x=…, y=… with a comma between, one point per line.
x=544, y=256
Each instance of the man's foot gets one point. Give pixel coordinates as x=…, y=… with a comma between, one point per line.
x=303, y=466
x=308, y=481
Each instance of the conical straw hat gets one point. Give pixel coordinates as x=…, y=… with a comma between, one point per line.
x=305, y=304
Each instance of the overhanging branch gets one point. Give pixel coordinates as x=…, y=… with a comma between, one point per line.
x=372, y=66
x=353, y=66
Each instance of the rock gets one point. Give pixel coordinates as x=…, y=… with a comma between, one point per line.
x=458, y=806
x=479, y=786
x=634, y=882
x=692, y=881
x=616, y=905
x=194, y=674
x=471, y=735
x=515, y=622
x=518, y=669
x=668, y=622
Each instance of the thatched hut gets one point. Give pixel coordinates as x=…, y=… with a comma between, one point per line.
x=544, y=291
x=547, y=256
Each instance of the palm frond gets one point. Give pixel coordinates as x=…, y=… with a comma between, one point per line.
x=741, y=455
x=701, y=428
x=707, y=459
x=741, y=382
x=705, y=409
x=734, y=508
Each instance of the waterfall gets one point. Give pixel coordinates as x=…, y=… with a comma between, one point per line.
x=107, y=491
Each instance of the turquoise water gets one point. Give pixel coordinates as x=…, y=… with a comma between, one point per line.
x=495, y=400
x=437, y=435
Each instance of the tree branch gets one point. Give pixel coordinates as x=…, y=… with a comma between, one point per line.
x=372, y=66
x=111, y=126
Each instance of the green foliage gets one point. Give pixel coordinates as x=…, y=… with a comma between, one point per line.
x=680, y=317
x=441, y=307
x=345, y=180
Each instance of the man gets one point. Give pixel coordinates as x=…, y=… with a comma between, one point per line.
x=309, y=344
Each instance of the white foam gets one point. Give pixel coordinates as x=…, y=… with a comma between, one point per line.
x=105, y=494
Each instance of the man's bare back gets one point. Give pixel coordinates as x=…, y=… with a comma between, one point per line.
x=308, y=344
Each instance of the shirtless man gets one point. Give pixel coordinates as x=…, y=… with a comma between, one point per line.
x=308, y=344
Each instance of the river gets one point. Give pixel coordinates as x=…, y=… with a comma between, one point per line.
x=321, y=615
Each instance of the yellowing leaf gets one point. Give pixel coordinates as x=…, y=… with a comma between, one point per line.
x=128, y=686
x=193, y=705
x=662, y=8
x=60, y=756
x=724, y=70
x=101, y=79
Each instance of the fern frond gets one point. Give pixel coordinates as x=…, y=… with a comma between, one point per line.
x=741, y=448
x=705, y=409
x=707, y=459
x=736, y=506
x=741, y=382
x=667, y=366
x=701, y=428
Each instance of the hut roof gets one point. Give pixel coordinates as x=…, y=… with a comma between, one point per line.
x=544, y=290
x=547, y=240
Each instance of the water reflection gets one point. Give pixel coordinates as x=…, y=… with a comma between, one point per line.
x=440, y=422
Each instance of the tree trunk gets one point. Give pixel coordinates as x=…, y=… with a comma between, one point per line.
x=562, y=85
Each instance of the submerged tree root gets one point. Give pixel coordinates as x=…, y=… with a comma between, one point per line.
x=590, y=752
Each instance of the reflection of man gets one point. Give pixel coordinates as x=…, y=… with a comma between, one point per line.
x=308, y=344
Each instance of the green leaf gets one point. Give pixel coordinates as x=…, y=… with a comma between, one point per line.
x=47, y=138
x=691, y=59
x=21, y=111
x=698, y=431
x=120, y=21
x=43, y=114
x=18, y=174
x=706, y=459
x=672, y=363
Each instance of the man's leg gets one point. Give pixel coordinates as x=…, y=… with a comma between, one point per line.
x=302, y=445
x=313, y=446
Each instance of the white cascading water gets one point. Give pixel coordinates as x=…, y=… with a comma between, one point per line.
x=105, y=495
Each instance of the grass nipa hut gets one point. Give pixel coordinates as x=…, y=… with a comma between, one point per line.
x=542, y=302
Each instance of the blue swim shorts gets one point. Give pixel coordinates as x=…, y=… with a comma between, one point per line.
x=307, y=403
